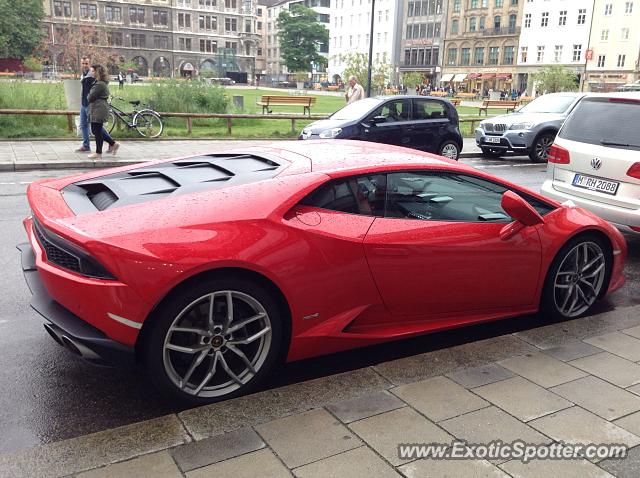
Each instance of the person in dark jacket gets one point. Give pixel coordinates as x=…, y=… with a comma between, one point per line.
x=87, y=81
x=99, y=109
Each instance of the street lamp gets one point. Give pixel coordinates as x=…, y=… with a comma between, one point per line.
x=373, y=11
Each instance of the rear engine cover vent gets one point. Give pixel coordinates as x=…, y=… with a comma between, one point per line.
x=169, y=178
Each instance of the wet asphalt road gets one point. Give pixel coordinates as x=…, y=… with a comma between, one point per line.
x=47, y=394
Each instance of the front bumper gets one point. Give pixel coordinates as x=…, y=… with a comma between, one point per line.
x=516, y=140
x=67, y=328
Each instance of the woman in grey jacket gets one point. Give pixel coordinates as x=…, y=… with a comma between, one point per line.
x=99, y=109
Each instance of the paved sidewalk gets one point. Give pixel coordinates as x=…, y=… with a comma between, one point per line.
x=29, y=155
x=572, y=382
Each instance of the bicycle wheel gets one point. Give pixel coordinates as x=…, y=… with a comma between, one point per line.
x=111, y=122
x=148, y=123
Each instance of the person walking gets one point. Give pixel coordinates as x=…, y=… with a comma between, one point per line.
x=99, y=110
x=355, y=91
x=87, y=81
x=121, y=79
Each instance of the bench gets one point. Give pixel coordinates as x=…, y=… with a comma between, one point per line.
x=466, y=96
x=455, y=101
x=504, y=104
x=333, y=88
x=267, y=101
x=526, y=99
x=438, y=93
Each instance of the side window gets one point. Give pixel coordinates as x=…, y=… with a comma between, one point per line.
x=442, y=196
x=355, y=195
x=428, y=109
x=397, y=110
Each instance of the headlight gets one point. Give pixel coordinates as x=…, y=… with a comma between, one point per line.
x=522, y=126
x=331, y=133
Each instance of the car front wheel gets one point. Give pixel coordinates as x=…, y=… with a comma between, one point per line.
x=540, y=148
x=217, y=340
x=450, y=150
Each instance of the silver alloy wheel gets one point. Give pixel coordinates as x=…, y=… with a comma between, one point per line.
x=579, y=279
x=450, y=151
x=217, y=344
x=542, y=146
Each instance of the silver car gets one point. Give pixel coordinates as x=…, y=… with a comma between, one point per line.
x=530, y=130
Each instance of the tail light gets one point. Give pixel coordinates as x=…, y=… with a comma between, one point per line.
x=558, y=154
x=634, y=171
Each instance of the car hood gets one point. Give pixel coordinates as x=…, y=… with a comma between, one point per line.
x=319, y=126
x=535, y=118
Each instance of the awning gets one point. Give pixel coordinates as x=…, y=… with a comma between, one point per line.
x=459, y=77
x=447, y=77
x=503, y=76
x=472, y=76
x=488, y=75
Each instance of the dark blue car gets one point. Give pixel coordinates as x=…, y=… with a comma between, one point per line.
x=420, y=122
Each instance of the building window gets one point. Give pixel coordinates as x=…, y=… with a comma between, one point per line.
x=88, y=11
x=624, y=34
x=512, y=22
x=628, y=7
x=562, y=19
x=114, y=38
x=601, y=61
x=259, y=26
x=138, y=40
x=62, y=9
x=478, y=56
x=112, y=14
x=577, y=52
x=482, y=24
x=472, y=24
x=231, y=24
x=208, y=46
x=621, y=59
x=452, y=55
x=454, y=26
x=545, y=19
x=508, y=55
x=456, y=5
x=231, y=45
x=540, y=55
x=473, y=4
x=209, y=4
x=496, y=22
x=582, y=16
x=604, y=35
x=514, y=3
x=523, y=54
x=557, y=54
x=184, y=20
x=161, y=42
x=160, y=17
x=484, y=4
x=230, y=4
x=499, y=3
x=208, y=22
x=136, y=14
x=527, y=20
x=465, y=56
x=608, y=9
x=494, y=55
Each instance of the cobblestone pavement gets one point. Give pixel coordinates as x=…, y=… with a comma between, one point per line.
x=571, y=382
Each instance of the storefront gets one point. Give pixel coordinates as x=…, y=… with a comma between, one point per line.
x=603, y=82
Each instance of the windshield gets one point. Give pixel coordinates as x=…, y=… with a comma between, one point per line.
x=549, y=104
x=356, y=110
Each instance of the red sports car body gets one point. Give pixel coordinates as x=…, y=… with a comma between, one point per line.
x=209, y=268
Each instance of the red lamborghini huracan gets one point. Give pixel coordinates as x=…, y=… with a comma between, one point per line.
x=208, y=269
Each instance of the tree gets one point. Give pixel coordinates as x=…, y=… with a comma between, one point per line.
x=357, y=64
x=412, y=78
x=300, y=35
x=20, y=32
x=72, y=42
x=553, y=79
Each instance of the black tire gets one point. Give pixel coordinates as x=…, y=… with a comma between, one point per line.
x=111, y=122
x=490, y=153
x=553, y=297
x=540, y=147
x=165, y=367
x=449, y=149
x=148, y=123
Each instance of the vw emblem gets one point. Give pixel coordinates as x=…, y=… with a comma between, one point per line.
x=596, y=163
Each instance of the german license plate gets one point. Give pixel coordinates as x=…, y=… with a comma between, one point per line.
x=490, y=139
x=596, y=184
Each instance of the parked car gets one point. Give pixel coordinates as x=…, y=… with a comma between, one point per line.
x=595, y=160
x=530, y=130
x=209, y=269
x=425, y=123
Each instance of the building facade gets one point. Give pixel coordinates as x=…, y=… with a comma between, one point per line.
x=614, y=49
x=350, y=31
x=481, y=44
x=553, y=33
x=161, y=38
x=422, y=42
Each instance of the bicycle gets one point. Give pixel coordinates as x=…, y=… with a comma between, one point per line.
x=145, y=121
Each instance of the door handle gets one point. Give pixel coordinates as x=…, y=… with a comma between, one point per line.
x=390, y=251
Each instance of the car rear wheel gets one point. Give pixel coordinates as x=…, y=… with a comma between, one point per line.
x=577, y=277
x=214, y=341
x=490, y=153
x=540, y=148
x=450, y=150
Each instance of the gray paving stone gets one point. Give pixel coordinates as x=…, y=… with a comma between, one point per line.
x=251, y=410
x=559, y=468
x=571, y=350
x=211, y=450
x=358, y=463
x=443, y=361
x=632, y=331
x=98, y=449
x=619, y=344
x=577, y=425
x=154, y=465
x=628, y=467
x=521, y=398
x=258, y=464
x=635, y=389
x=630, y=423
x=439, y=398
x=385, y=432
x=362, y=407
x=451, y=469
x=482, y=375
x=489, y=424
x=611, y=368
x=542, y=369
x=307, y=437
x=600, y=397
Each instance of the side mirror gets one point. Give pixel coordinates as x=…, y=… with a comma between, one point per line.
x=520, y=210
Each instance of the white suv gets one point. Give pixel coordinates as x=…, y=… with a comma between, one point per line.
x=595, y=159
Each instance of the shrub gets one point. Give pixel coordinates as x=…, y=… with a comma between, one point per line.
x=186, y=96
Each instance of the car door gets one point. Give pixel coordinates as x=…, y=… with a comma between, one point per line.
x=392, y=129
x=428, y=122
x=438, y=249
